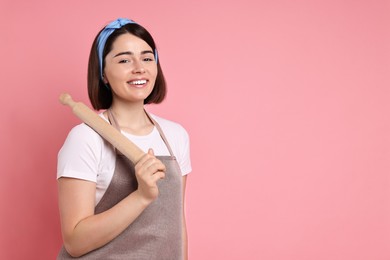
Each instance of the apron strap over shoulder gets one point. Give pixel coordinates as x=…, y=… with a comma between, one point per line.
x=115, y=124
x=157, y=125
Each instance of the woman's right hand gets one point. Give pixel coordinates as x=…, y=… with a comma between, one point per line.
x=84, y=231
x=148, y=171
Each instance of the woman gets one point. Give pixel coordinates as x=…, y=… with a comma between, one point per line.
x=109, y=207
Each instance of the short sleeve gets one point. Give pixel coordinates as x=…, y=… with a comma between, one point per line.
x=184, y=158
x=80, y=154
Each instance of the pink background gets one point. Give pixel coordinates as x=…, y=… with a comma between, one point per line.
x=287, y=105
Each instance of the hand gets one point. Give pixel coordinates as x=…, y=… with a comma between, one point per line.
x=148, y=171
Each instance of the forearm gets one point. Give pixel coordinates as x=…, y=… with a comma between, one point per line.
x=184, y=222
x=185, y=239
x=97, y=230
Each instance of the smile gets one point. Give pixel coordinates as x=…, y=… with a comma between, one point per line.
x=137, y=82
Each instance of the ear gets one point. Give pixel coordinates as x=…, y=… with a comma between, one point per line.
x=105, y=79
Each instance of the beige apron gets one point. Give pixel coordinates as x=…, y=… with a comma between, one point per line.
x=157, y=232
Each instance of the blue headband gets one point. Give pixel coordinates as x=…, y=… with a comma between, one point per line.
x=105, y=33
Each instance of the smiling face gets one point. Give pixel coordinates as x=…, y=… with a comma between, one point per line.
x=130, y=69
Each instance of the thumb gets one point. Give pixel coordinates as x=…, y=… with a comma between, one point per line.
x=150, y=151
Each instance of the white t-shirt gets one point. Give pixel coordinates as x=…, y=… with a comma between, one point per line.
x=86, y=155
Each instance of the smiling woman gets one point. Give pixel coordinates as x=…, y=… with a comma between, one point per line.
x=131, y=74
x=109, y=207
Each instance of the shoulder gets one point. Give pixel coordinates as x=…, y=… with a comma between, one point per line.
x=179, y=141
x=170, y=127
x=81, y=154
x=83, y=138
x=84, y=134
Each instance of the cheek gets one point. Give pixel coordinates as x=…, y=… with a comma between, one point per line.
x=113, y=74
x=155, y=73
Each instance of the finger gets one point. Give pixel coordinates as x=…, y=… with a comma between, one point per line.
x=156, y=165
x=158, y=176
x=146, y=157
x=150, y=151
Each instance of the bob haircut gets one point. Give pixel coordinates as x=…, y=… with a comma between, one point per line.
x=99, y=93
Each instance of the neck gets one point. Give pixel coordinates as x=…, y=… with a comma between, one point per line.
x=131, y=117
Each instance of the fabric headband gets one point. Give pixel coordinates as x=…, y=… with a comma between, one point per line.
x=105, y=33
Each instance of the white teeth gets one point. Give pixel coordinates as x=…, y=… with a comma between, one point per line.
x=138, y=82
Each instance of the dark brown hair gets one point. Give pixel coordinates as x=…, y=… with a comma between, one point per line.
x=99, y=94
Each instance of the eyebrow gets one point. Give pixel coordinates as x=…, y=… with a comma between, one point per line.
x=131, y=53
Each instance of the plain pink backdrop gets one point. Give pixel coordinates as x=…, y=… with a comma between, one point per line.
x=286, y=102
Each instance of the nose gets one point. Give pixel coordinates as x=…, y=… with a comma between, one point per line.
x=138, y=67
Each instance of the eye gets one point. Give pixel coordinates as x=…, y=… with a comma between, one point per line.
x=124, y=61
x=148, y=59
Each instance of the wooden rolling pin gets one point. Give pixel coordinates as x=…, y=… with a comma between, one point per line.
x=102, y=127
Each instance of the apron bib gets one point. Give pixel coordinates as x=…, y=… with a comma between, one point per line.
x=157, y=233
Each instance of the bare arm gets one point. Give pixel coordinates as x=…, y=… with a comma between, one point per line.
x=82, y=230
x=184, y=235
